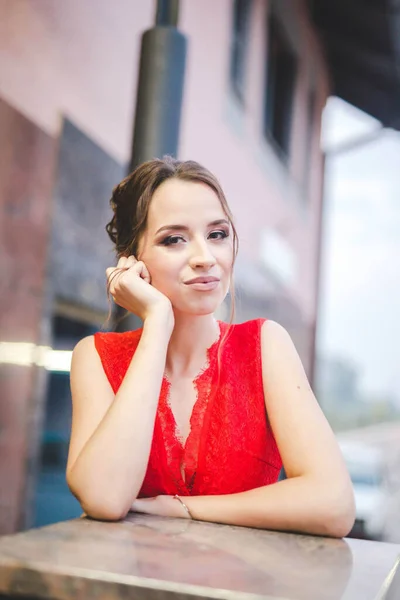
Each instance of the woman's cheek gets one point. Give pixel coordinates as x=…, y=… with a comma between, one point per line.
x=162, y=285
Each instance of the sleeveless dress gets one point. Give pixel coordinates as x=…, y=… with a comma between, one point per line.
x=230, y=447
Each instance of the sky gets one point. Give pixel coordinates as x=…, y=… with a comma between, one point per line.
x=360, y=284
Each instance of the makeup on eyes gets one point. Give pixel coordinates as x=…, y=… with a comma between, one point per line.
x=171, y=240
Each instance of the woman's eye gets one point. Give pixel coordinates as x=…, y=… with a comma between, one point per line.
x=218, y=235
x=172, y=240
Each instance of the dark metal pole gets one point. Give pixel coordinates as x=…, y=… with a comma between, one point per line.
x=159, y=97
x=160, y=87
x=167, y=12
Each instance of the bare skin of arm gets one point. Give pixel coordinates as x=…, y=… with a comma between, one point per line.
x=317, y=496
x=111, y=434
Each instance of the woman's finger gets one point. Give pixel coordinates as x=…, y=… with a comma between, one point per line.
x=113, y=274
x=130, y=261
x=143, y=271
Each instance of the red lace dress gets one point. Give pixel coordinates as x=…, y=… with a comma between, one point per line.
x=230, y=447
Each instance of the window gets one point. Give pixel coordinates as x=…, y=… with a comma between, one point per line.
x=53, y=500
x=281, y=73
x=240, y=27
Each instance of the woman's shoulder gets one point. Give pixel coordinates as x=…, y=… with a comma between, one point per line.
x=103, y=341
x=112, y=350
x=272, y=332
x=126, y=341
x=244, y=328
x=266, y=331
x=242, y=338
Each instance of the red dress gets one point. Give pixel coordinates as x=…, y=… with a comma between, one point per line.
x=230, y=447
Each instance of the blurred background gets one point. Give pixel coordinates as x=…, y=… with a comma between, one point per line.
x=295, y=106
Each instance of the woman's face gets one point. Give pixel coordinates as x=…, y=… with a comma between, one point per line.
x=187, y=246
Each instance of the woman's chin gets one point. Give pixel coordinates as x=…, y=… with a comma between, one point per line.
x=199, y=309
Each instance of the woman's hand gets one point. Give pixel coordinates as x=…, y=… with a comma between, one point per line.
x=162, y=506
x=130, y=286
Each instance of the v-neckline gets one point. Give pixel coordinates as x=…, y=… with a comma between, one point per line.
x=185, y=453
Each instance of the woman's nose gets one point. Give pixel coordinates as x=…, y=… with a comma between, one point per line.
x=202, y=256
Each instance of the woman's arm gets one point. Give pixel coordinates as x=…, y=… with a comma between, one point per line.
x=111, y=434
x=317, y=497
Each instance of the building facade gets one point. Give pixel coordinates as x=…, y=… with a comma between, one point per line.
x=256, y=83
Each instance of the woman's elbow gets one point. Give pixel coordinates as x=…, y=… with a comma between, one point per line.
x=104, y=511
x=340, y=514
x=341, y=525
x=99, y=506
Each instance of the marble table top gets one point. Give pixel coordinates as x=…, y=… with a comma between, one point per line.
x=159, y=558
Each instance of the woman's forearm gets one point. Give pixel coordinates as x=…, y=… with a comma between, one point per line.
x=296, y=504
x=108, y=473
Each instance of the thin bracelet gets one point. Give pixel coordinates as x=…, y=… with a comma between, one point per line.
x=176, y=497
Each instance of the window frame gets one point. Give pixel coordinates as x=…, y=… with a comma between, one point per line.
x=240, y=29
x=282, y=67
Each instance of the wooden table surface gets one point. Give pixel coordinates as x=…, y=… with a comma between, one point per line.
x=159, y=558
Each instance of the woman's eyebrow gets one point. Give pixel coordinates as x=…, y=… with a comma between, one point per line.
x=174, y=227
x=185, y=228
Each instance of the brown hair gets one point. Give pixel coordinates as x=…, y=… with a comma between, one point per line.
x=130, y=202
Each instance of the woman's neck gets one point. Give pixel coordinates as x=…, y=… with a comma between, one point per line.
x=190, y=340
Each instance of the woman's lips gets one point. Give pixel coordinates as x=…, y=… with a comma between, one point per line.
x=203, y=284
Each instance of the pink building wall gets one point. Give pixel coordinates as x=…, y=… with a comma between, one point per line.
x=229, y=139
x=79, y=59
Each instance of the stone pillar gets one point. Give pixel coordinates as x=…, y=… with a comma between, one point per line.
x=27, y=159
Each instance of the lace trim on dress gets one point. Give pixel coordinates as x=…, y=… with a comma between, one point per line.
x=183, y=457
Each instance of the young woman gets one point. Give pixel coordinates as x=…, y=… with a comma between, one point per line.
x=190, y=417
